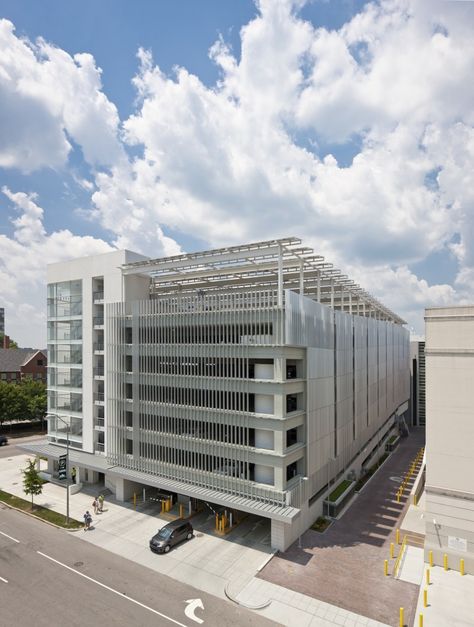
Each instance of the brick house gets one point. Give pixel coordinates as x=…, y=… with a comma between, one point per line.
x=17, y=364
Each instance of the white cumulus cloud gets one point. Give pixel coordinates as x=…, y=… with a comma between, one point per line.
x=23, y=259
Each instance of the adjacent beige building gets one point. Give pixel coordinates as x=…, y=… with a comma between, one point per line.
x=449, y=514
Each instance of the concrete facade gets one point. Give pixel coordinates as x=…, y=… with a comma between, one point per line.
x=259, y=399
x=450, y=435
x=417, y=384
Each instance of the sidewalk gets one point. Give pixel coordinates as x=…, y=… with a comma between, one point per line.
x=225, y=567
x=450, y=599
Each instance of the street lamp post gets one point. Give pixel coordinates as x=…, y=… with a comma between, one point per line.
x=67, y=462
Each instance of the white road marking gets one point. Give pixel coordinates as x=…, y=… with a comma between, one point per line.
x=7, y=536
x=120, y=594
x=4, y=580
x=193, y=604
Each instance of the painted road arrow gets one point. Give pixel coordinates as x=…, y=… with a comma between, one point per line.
x=193, y=604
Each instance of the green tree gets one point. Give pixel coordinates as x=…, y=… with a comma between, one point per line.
x=32, y=482
x=13, y=344
x=34, y=399
x=23, y=401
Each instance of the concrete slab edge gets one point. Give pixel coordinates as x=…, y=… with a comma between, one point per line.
x=266, y=560
x=261, y=606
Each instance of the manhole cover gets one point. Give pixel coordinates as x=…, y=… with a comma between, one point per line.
x=397, y=479
x=78, y=564
x=16, y=483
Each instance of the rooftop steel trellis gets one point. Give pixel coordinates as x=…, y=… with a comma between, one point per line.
x=274, y=264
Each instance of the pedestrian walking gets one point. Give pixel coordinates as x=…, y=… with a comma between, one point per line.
x=95, y=505
x=87, y=521
x=101, y=503
x=73, y=474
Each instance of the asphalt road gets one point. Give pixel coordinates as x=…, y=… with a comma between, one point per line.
x=10, y=450
x=50, y=577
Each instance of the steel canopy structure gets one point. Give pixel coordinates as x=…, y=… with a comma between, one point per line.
x=277, y=264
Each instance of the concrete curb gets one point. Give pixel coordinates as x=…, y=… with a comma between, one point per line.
x=48, y=522
x=266, y=560
x=261, y=606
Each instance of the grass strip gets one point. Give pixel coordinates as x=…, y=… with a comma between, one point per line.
x=336, y=493
x=363, y=480
x=40, y=512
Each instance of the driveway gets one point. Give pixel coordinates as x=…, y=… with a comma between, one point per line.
x=344, y=566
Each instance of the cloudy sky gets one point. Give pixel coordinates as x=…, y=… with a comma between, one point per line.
x=180, y=125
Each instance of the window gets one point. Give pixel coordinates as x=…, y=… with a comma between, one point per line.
x=4, y=376
x=291, y=437
x=39, y=362
x=291, y=403
x=129, y=447
x=291, y=471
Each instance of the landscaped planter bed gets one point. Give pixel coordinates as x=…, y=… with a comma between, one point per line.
x=392, y=443
x=370, y=473
x=339, y=497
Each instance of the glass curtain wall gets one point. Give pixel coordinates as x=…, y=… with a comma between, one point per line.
x=65, y=361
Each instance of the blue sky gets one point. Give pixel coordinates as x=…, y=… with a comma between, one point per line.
x=344, y=122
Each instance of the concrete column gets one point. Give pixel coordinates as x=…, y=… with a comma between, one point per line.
x=279, y=440
x=279, y=373
x=279, y=406
x=280, y=276
x=280, y=477
x=301, y=277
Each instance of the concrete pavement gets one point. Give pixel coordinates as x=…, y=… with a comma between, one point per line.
x=49, y=577
x=224, y=567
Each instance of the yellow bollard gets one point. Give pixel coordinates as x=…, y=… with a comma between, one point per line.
x=431, y=558
x=397, y=536
x=162, y=506
x=427, y=576
x=461, y=567
x=445, y=561
x=181, y=510
x=414, y=499
x=425, y=598
x=385, y=568
x=402, y=621
x=392, y=548
x=420, y=622
x=217, y=522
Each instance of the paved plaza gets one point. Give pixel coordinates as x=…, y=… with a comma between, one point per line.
x=344, y=566
x=335, y=579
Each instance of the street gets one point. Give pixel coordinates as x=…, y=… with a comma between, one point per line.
x=47, y=576
x=10, y=450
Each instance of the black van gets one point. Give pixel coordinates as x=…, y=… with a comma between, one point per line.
x=171, y=534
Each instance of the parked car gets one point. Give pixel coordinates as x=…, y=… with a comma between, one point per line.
x=3, y=440
x=171, y=534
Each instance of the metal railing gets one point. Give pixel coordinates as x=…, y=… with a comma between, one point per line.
x=98, y=295
x=100, y=447
x=99, y=372
x=98, y=346
x=100, y=422
x=98, y=396
x=98, y=320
